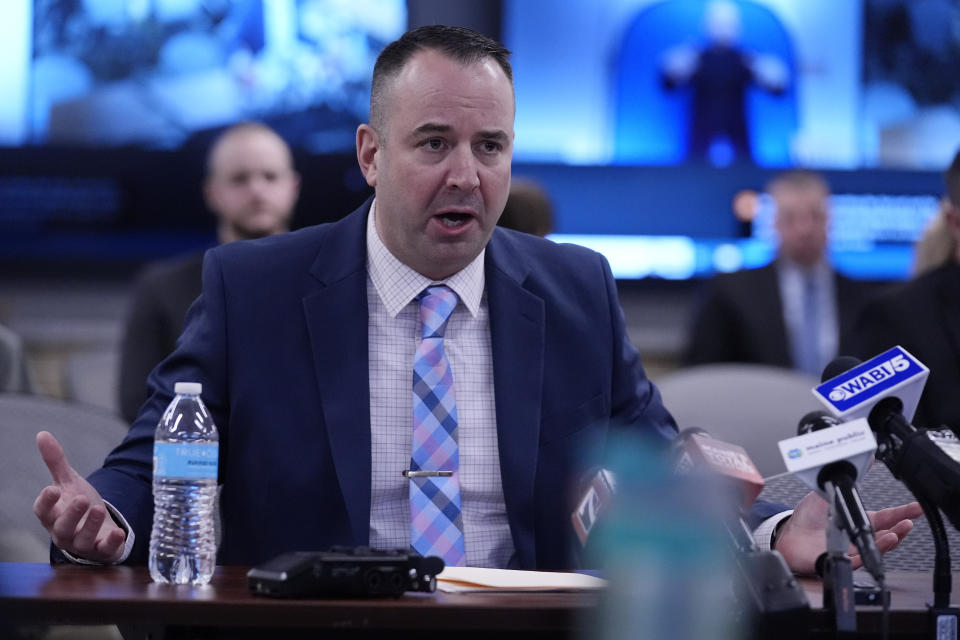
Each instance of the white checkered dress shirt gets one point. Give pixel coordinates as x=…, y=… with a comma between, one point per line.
x=394, y=332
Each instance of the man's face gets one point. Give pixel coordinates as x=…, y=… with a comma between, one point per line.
x=802, y=222
x=252, y=187
x=441, y=162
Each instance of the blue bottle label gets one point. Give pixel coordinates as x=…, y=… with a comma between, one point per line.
x=185, y=460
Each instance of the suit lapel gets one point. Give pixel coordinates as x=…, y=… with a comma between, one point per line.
x=336, y=317
x=770, y=303
x=517, y=340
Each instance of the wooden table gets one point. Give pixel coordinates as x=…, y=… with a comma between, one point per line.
x=39, y=593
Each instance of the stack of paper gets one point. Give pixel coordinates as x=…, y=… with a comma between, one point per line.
x=466, y=579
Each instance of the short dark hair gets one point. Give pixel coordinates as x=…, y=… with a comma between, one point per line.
x=460, y=44
x=245, y=126
x=952, y=179
x=798, y=179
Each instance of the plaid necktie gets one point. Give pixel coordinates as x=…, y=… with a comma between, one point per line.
x=436, y=525
x=807, y=347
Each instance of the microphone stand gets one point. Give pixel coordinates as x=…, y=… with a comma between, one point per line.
x=943, y=616
x=838, y=592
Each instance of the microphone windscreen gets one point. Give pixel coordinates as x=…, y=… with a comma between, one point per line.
x=840, y=364
x=814, y=421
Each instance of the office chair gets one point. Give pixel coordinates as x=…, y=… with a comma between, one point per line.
x=752, y=405
x=87, y=435
x=14, y=373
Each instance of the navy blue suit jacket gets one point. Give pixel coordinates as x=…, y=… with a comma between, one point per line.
x=279, y=340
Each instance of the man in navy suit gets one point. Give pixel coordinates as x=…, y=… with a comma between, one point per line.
x=304, y=344
x=796, y=312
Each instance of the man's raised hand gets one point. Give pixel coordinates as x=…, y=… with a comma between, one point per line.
x=72, y=510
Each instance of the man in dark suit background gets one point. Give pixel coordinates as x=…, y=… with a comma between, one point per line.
x=251, y=187
x=923, y=315
x=304, y=342
x=796, y=312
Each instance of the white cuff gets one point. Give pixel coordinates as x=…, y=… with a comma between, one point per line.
x=127, y=545
x=763, y=534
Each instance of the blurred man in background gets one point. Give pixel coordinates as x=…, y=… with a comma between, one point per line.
x=923, y=315
x=795, y=312
x=251, y=187
x=528, y=209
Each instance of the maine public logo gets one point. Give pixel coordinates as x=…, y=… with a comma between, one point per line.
x=870, y=378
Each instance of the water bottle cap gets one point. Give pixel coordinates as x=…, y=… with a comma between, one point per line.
x=187, y=388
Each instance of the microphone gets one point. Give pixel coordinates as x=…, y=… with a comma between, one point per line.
x=842, y=474
x=766, y=585
x=594, y=503
x=926, y=461
x=697, y=449
x=850, y=389
x=815, y=421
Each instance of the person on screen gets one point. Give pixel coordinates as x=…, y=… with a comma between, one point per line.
x=311, y=345
x=251, y=187
x=796, y=312
x=528, y=209
x=923, y=314
x=720, y=74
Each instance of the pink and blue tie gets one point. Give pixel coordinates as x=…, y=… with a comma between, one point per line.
x=436, y=524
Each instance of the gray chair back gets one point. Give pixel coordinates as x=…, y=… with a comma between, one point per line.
x=14, y=373
x=754, y=406
x=87, y=435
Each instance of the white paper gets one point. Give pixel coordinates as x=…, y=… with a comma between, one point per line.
x=466, y=579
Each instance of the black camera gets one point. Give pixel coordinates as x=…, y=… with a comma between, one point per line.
x=345, y=572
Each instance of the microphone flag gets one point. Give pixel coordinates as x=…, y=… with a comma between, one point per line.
x=805, y=455
x=853, y=393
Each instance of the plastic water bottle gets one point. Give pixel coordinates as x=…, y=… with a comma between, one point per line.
x=663, y=548
x=183, y=545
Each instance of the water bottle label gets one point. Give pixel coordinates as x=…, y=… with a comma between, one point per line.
x=185, y=460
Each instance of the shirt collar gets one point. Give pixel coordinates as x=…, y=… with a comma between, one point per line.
x=819, y=270
x=397, y=284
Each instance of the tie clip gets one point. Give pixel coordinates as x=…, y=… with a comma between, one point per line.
x=406, y=473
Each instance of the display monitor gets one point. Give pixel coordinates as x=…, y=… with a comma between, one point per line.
x=109, y=107
x=669, y=108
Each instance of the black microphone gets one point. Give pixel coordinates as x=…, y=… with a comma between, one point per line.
x=840, y=364
x=765, y=585
x=917, y=457
x=843, y=476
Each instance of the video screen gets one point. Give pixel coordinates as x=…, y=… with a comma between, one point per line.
x=910, y=100
x=152, y=73
x=642, y=119
x=725, y=93
x=775, y=83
